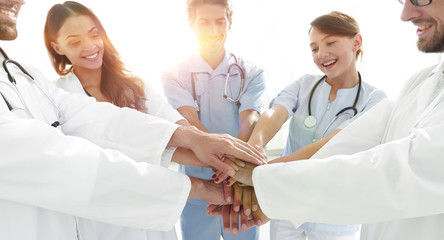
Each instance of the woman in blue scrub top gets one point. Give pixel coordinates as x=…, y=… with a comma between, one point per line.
x=201, y=91
x=319, y=107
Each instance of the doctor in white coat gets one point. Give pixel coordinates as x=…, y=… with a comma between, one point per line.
x=392, y=179
x=52, y=175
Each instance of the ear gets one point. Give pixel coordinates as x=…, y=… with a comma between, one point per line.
x=229, y=24
x=357, y=42
x=56, y=48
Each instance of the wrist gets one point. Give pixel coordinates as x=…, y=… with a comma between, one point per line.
x=197, y=186
x=185, y=136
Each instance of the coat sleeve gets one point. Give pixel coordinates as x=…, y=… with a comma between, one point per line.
x=40, y=166
x=397, y=179
x=142, y=137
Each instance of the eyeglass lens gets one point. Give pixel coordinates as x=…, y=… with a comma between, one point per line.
x=418, y=3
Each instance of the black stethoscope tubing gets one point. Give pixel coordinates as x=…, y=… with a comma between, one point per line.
x=342, y=110
x=14, y=83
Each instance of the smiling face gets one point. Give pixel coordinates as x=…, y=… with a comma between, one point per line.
x=430, y=22
x=80, y=41
x=211, y=26
x=334, y=55
x=8, y=18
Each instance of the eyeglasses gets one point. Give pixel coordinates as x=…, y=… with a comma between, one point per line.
x=418, y=3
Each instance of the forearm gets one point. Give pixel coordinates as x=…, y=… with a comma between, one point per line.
x=187, y=157
x=190, y=114
x=268, y=125
x=307, y=151
x=247, y=123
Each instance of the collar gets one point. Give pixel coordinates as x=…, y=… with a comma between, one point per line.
x=199, y=65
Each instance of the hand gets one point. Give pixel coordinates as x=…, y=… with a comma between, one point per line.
x=230, y=218
x=209, y=191
x=220, y=176
x=212, y=148
x=245, y=174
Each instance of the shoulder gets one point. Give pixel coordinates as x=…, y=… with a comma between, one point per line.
x=417, y=79
x=177, y=69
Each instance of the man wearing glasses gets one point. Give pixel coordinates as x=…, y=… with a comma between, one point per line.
x=392, y=181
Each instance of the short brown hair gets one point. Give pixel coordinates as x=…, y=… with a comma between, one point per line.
x=339, y=24
x=193, y=4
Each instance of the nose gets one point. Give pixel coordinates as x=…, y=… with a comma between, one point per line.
x=409, y=12
x=321, y=53
x=19, y=2
x=89, y=44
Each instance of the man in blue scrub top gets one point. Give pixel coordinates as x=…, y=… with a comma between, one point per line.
x=200, y=90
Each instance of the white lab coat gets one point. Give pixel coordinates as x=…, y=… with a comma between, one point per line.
x=49, y=175
x=392, y=181
x=156, y=106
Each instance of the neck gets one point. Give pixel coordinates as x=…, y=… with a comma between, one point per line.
x=346, y=80
x=89, y=78
x=213, y=58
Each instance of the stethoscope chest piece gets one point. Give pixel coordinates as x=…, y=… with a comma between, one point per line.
x=310, y=121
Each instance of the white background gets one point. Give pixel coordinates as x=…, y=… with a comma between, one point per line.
x=153, y=35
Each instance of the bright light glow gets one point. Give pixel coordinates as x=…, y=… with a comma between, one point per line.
x=151, y=36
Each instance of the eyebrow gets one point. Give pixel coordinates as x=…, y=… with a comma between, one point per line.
x=323, y=39
x=76, y=35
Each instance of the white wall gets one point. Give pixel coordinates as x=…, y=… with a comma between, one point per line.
x=152, y=35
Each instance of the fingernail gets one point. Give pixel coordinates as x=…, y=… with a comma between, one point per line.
x=254, y=208
x=235, y=231
x=227, y=183
x=244, y=227
x=227, y=230
x=214, y=175
x=247, y=212
x=237, y=208
x=216, y=180
x=228, y=199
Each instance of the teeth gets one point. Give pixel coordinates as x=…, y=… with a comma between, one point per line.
x=329, y=63
x=10, y=14
x=92, y=56
x=423, y=27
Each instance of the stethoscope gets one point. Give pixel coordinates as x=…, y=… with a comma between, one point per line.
x=310, y=121
x=23, y=111
x=234, y=101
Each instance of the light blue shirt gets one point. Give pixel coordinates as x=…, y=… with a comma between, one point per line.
x=295, y=98
x=216, y=113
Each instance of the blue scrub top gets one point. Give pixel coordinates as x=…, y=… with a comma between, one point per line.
x=216, y=113
x=295, y=98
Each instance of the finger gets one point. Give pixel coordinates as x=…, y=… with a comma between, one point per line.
x=237, y=198
x=228, y=194
x=244, y=221
x=222, y=177
x=247, y=153
x=254, y=203
x=234, y=222
x=237, y=162
x=214, y=210
x=229, y=181
x=216, y=163
x=246, y=200
x=226, y=211
x=259, y=217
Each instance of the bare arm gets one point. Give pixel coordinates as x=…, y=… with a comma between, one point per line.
x=307, y=151
x=247, y=122
x=190, y=114
x=268, y=125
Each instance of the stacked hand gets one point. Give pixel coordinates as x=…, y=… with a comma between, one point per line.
x=245, y=205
